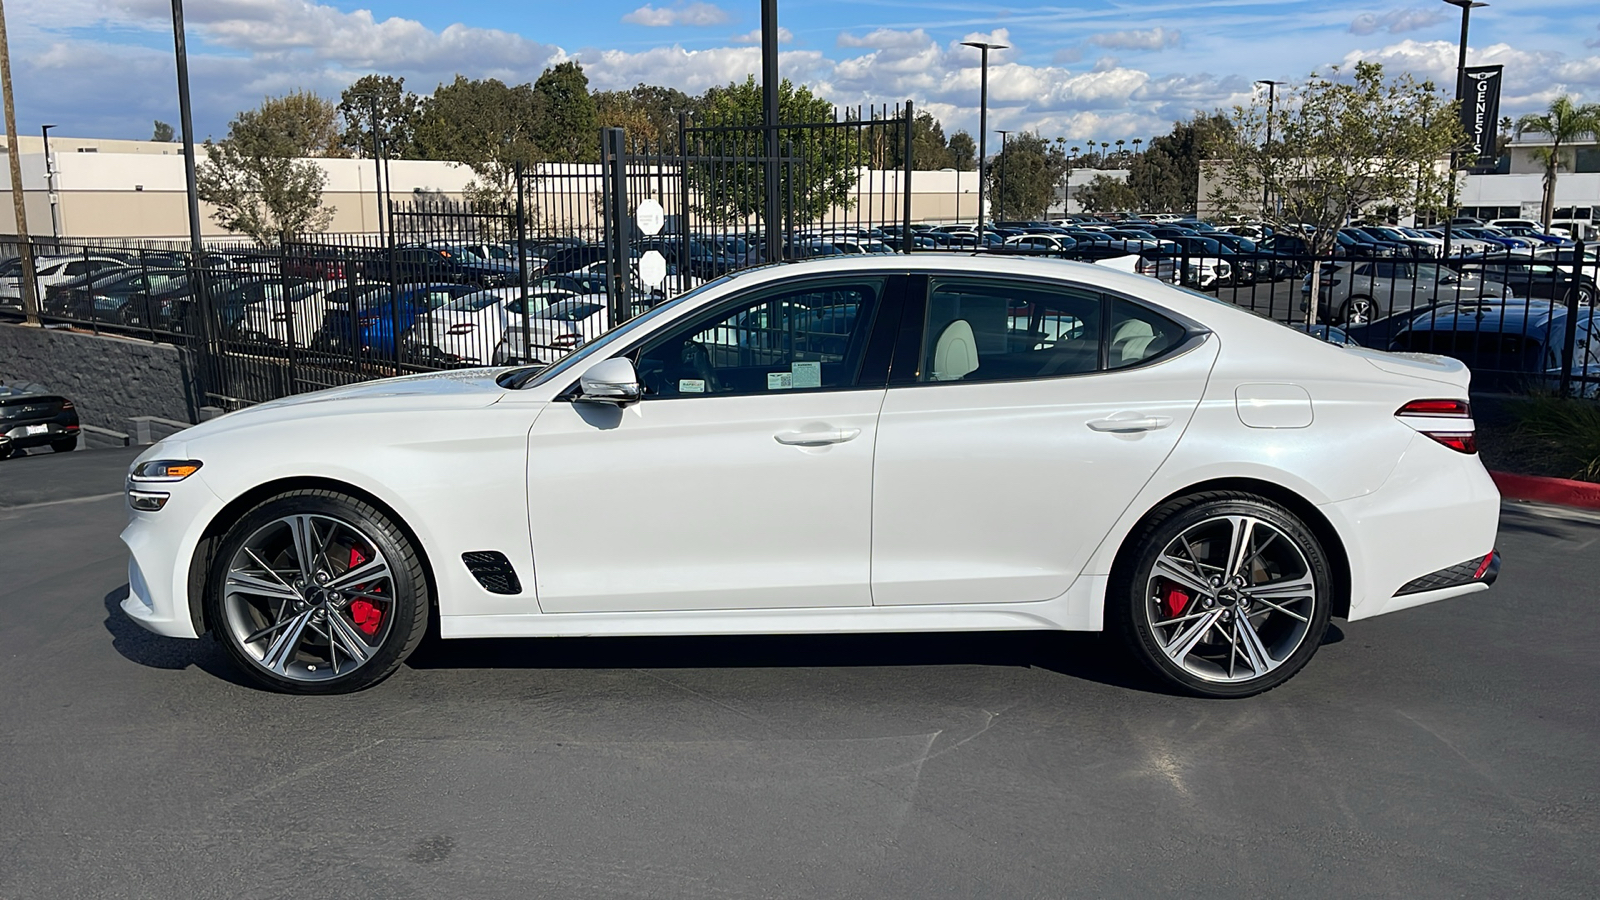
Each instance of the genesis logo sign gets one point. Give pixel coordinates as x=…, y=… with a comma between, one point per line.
x=1480, y=109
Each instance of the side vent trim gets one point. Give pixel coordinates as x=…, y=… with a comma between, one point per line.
x=493, y=571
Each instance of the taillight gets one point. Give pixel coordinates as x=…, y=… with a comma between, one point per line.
x=1434, y=409
x=67, y=404
x=1459, y=441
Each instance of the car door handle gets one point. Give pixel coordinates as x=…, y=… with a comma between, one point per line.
x=1130, y=424
x=817, y=438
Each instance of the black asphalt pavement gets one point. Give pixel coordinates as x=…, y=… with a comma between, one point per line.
x=1446, y=751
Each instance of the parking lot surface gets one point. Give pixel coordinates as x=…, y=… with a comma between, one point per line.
x=1445, y=751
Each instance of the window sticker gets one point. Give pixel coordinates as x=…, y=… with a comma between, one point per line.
x=780, y=381
x=806, y=374
x=691, y=386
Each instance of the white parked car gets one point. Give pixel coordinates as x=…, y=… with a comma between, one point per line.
x=470, y=327
x=50, y=271
x=922, y=443
x=556, y=330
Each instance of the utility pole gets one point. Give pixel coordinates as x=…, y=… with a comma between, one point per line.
x=1272, y=97
x=30, y=297
x=1003, y=195
x=769, y=114
x=1467, y=6
x=983, y=125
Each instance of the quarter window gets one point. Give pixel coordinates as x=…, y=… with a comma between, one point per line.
x=796, y=340
x=1138, y=334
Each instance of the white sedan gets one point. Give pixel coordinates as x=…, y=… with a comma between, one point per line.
x=924, y=443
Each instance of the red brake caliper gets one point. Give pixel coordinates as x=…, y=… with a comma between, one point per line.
x=367, y=617
x=1176, y=602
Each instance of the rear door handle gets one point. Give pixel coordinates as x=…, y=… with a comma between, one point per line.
x=817, y=438
x=1127, y=425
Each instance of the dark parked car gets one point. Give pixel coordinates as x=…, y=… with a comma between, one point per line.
x=1505, y=343
x=1529, y=277
x=121, y=297
x=30, y=416
x=433, y=265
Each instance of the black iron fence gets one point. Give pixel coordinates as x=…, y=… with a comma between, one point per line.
x=528, y=270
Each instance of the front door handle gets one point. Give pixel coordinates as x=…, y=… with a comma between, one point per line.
x=817, y=438
x=1127, y=425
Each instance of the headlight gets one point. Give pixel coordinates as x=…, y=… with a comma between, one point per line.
x=165, y=469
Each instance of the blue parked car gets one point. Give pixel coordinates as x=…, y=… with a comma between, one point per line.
x=1503, y=342
x=370, y=314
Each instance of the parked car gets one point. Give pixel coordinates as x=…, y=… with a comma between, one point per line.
x=53, y=270
x=1531, y=225
x=1359, y=291
x=468, y=329
x=1507, y=344
x=1037, y=244
x=1215, y=523
x=1533, y=277
x=1535, y=235
x=1417, y=244
x=432, y=265
x=118, y=297
x=554, y=331
x=1462, y=244
x=31, y=416
x=1496, y=237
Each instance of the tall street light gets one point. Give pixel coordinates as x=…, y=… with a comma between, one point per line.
x=50, y=184
x=30, y=300
x=1467, y=6
x=1002, y=132
x=1272, y=98
x=983, y=123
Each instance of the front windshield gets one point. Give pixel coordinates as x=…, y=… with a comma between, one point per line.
x=518, y=379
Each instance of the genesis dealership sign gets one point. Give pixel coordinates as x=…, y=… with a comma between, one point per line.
x=1480, y=110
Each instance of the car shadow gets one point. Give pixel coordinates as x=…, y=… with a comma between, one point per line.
x=1087, y=656
x=154, y=651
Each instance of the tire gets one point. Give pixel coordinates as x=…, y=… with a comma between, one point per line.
x=1358, y=311
x=64, y=445
x=1586, y=295
x=1270, y=619
x=306, y=628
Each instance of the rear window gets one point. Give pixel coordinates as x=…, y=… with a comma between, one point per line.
x=571, y=312
x=473, y=302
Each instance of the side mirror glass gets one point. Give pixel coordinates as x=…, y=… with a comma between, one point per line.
x=612, y=381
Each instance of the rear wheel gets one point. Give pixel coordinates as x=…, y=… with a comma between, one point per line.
x=315, y=592
x=1226, y=595
x=64, y=445
x=1358, y=311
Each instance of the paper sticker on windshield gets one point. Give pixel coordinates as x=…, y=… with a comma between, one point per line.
x=806, y=374
x=691, y=386
x=780, y=381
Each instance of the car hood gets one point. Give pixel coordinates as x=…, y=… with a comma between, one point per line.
x=410, y=394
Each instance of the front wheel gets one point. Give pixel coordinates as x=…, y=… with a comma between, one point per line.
x=1358, y=311
x=315, y=592
x=1225, y=595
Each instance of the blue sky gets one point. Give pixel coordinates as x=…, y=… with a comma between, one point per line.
x=1093, y=69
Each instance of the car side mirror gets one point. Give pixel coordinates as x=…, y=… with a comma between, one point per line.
x=612, y=381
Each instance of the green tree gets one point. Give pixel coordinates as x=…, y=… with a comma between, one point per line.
x=928, y=148
x=257, y=179
x=569, y=128
x=488, y=125
x=1106, y=194
x=162, y=133
x=828, y=159
x=1564, y=123
x=962, y=152
x=1024, y=175
x=1340, y=146
x=1166, y=177
x=396, y=108
x=648, y=113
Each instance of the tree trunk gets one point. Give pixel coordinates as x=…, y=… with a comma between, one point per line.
x=1550, y=186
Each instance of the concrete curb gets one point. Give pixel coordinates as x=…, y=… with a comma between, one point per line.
x=1540, y=489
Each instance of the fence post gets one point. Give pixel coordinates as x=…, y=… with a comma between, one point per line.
x=1569, y=340
x=906, y=243
x=614, y=169
x=683, y=202
x=521, y=231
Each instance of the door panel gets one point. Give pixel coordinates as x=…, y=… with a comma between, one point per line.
x=694, y=503
x=1000, y=492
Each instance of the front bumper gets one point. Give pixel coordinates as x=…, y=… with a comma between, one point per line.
x=161, y=545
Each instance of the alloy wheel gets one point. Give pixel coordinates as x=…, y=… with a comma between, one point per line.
x=1358, y=311
x=309, y=597
x=1231, y=598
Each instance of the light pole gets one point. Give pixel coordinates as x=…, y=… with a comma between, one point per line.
x=983, y=123
x=50, y=184
x=1272, y=98
x=1002, y=132
x=1467, y=6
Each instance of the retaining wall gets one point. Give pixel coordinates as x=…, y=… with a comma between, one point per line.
x=110, y=379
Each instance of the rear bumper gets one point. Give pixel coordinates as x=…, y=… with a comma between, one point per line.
x=53, y=431
x=1408, y=540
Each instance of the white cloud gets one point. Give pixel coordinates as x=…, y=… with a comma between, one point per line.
x=785, y=36
x=1156, y=38
x=1532, y=77
x=1397, y=21
x=678, y=14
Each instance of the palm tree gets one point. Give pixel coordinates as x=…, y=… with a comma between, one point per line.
x=1136, y=143
x=1565, y=122
x=1120, y=143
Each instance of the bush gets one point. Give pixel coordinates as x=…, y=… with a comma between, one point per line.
x=1572, y=427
